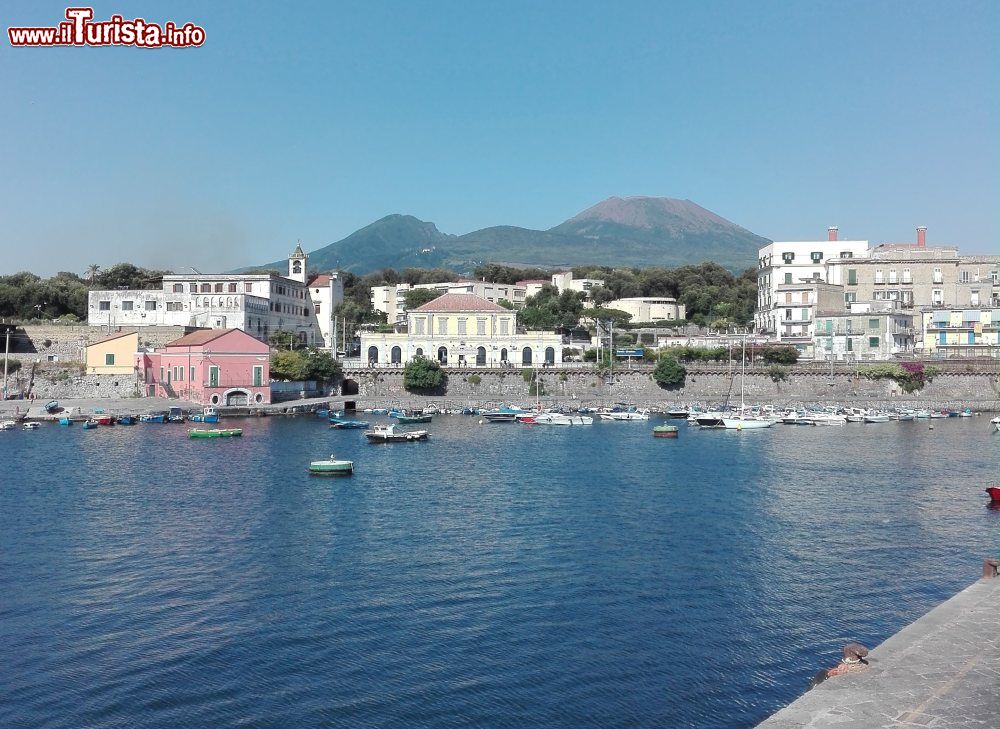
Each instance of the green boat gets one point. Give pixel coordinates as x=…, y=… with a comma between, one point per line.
x=331, y=467
x=665, y=431
x=215, y=433
x=409, y=419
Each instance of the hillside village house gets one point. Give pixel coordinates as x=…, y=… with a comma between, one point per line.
x=463, y=330
x=257, y=303
x=211, y=366
x=391, y=299
x=113, y=355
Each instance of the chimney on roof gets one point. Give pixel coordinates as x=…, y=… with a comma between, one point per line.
x=831, y=232
x=921, y=236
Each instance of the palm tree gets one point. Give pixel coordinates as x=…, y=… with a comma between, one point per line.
x=92, y=270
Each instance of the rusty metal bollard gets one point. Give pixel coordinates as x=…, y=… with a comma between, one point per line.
x=991, y=568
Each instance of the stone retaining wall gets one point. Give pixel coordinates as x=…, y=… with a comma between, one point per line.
x=67, y=342
x=981, y=391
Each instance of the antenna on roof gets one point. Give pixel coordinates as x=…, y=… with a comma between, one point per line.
x=196, y=270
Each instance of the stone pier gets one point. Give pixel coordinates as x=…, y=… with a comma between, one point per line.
x=941, y=671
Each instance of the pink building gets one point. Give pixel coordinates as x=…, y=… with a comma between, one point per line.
x=210, y=366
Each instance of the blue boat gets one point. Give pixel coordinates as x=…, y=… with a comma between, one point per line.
x=127, y=420
x=161, y=418
x=90, y=425
x=348, y=424
x=52, y=406
x=322, y=413
x=64, y=420
x=207, y=415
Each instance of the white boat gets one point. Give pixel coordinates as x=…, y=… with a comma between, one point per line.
x=8, y=425
x=996, y=424
x=390, y=434
x=561, y=419
x=742, y=421
x=678, y=413
x=967, y=413
x=936, y=415
x=922, y=414
x=30, y=426
x=710, y=419
x=827, y=418
x=795, y=417
x=877, y=418
x=642, y=414
x=504, y=415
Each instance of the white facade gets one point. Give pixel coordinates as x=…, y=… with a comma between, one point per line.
x=790, y=263
x=564, y=281
x=391, y=299
x=326, y=291
x=256, y=303
x=462, y=330
x=649, y=308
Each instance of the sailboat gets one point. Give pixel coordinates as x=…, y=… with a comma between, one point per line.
x=742, y=421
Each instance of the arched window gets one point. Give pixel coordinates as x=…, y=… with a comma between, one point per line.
x=373, y=354
x=503, y=355
x=481, y=356
x=526, y=356
x=443, y=355
x=297, y=267
x=550, y=356
x=396, y=355
x=420, y=352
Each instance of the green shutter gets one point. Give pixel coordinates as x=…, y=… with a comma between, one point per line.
x=852, y=277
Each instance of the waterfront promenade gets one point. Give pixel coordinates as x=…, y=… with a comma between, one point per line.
x=941, y=671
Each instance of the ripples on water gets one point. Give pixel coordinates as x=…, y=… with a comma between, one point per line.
x=498, y=575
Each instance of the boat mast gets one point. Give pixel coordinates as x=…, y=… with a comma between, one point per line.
x=743, y=373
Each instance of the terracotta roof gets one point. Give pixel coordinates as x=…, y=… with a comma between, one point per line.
x=459, y=302
x=321, y=279
x=202, y=336
x=119, y=335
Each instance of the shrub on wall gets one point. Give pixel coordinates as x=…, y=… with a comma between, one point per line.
x=910, y=376
x=779, y=354
x=473, y=379
x=778, y=373
x=669, y=373
x=423, y=374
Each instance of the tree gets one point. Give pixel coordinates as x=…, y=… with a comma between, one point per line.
x=92, y=270
x=289, y=365
x=505, y=303
x=284, y=339
x=423, y=374
x=779, y=354
x=617, y=316
x=418, y=297
x=669, y=373
x=321, y=366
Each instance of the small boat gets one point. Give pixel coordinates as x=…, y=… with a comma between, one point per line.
x=348, y=424
x=390, y=434
x=127, y=420
x=160, y=418
x=331, y=467
x=105, y=420
x=215, y=432
x=503, y=415
x=411, y=419
x=994, y=491
x=51, y=406
x=877, y=418
x=64, y=420
x=176, y=415
x=709, y=419
x=207, y=415
x=90, y=424
x=937, y=414
x=741, y=422
x=665, y=431
x=8, y=425
x=923, y=414
x=321, y=413
x=995, y=422
x=967, y=413
x=679, y=413
x=558, y=419
x=30, y=426
x=626, y=415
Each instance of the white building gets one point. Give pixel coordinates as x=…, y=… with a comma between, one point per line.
x=463, y=330
x=649, y=308
x=564, y=281
x=257, y=303
x=788, y=263
x=392, y=299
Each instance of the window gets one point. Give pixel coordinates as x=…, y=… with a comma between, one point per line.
x=907, y=276
x=892, y=275
x=161, y=374
x=850, y=344
x=193, y=288
x=788, y=314
x=873, y=324
x=178, y=288
x=206, y=288
x=937, y=277
x=481, y=328
x=127, y=306
x=109, y=359
x=248, y=287
x=788, y=278
x=852, y=277
x=461, y=326
x=258, y=375
x=805, y=297
x=443, y=325
x=974, y=298
x=180, y=374
x=218, y=288
x=213, y=376
x=104, y=305
x=816, y=256
x=964, y=277
x=175, y=306
x=873, y=342
x=504, y=324
x=937, y=296
x=191, y=373
x=846, y=254
x=850, y=298
x=879, y=277
x=418, y=325
x=151, y=305
x=787, y=257
x=316, y=307
x=805, y=315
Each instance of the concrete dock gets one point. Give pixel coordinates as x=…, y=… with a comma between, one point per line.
x=941, y=671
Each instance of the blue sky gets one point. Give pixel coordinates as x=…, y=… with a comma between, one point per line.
x=783, y=117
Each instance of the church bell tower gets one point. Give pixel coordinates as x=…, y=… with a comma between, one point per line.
x=297, y=264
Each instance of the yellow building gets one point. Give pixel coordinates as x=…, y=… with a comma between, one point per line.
x=463, y=330
x=962, y=332
x=114, y=355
